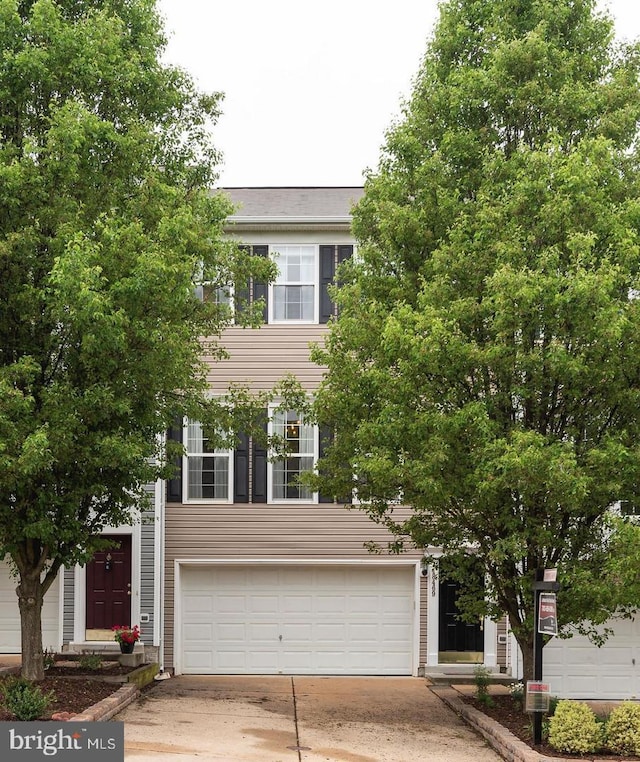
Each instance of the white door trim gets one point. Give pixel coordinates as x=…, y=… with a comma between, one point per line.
x=80, y=584
x=490, y=628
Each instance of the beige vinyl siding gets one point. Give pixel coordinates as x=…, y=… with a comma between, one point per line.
x=260, y=357
x=502, y=629
x=268, y=532
x=424, y=593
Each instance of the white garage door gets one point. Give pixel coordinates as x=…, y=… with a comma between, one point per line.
x=10, y=616
x=297, y=620
x=575, y=668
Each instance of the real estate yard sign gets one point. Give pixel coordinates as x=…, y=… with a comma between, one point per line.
x=547, y=614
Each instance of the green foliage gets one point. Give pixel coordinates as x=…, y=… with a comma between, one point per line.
x=486, y=357
x=574, y=729
x=482, y=680
x=107, y=224
x=23, y=699
x=48, y=658
x=516, y=691
x=91, y=662
x=622, y=730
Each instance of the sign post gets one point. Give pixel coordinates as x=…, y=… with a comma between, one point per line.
x=546, y=623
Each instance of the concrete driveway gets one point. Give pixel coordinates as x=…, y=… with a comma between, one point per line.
x=296, y=719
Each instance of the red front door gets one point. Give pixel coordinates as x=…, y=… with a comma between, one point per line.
x=109, y=585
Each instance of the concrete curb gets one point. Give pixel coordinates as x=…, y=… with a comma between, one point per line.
x=499, y=738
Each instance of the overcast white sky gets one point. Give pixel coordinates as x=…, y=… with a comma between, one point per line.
x=310, y=88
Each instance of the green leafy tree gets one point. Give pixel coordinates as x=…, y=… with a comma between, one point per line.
x=106, y=223
x=485, y=364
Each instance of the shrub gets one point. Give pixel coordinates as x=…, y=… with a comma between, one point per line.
x=574, y=729
x=517, y=692
x=91, y=662
x=482, y=677
x=24, y=700
x=622, y=730
x=48, y=658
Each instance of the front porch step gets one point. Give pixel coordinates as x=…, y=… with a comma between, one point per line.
x=459, y=677
x=108, y=651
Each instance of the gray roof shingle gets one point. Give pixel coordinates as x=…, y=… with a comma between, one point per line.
x=299, y=203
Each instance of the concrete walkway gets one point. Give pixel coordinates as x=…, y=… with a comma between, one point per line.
x=297, y=719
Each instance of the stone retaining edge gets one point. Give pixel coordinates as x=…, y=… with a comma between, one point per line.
x=105, y=709
x=499, y=738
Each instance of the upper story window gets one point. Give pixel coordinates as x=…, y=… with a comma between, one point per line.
x=207, y=468
x=294, y=292
x=246, y=474
x=300, y=292
x=209, y=292
x=301, y=440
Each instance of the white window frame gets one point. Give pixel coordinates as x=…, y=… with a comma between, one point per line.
x=215, y=291
x=215, y=453
x=274, y=251
x=202, y=284
x=273, y=461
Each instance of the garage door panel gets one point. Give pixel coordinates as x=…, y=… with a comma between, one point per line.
x=364, y=633
x=10, y=641
x=298, y=605
x=265, y=662
x=232, y=632
x=577, y=669
x=331, y=604
x=313, y=620
x=394, y=633
x=396, y=663
x=200, y=633
x=265, y=577
x=261, y=633
x=331, y=633
x=198, y=605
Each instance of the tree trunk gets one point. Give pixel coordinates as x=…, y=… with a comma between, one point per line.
x=30, y=597
x=527, y=660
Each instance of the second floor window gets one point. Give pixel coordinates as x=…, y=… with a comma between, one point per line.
x=301, y=443
x=207, y=468
x=294, y=290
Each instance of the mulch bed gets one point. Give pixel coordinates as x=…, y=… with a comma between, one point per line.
x=74, y=689
x=510, y=716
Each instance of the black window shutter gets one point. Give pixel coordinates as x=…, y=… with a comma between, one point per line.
x=241, y=470
x=325, y=439
x=327, y=271
x=259, y=475
x=260, y=290
x=241, y=295
x=174, y=485
x=344, y=252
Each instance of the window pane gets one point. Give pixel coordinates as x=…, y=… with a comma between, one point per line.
x=293, y=302
x=216, y=294
x=285, y=476
x=196, y=441
x=294, y=288
x=208, y=478
x=308, y=267
x=300, y=440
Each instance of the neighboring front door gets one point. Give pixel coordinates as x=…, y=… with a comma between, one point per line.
x=459, y=641
x=109, y=585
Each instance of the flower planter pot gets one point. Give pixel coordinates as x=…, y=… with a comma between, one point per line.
x=127, y=648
